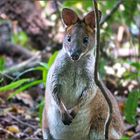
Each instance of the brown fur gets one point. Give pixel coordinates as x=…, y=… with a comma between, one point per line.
x=88, y=30
x=99, y=114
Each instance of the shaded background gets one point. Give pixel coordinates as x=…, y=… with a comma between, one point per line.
x=31, y=33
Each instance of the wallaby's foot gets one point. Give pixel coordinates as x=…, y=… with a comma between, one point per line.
x=66, y=118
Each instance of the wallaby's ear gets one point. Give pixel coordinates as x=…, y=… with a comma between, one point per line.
x=69, y=16
x=90, y=18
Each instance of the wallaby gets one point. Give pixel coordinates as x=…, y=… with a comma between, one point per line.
x=75, y=108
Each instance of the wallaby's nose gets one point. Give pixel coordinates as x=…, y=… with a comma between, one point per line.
x=75, y=56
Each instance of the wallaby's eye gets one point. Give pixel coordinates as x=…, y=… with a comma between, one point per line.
x=69, y=38
x=85, y=40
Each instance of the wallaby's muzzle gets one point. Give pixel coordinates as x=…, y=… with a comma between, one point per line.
x=75, y=56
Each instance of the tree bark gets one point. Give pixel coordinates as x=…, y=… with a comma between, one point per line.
x=29, y=19
x=98, y=81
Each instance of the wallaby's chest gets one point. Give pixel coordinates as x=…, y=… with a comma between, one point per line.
x=73, y=82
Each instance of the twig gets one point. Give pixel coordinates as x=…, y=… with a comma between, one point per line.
x=108, y=16
x=21, y=122
x=59, y=13
x=57, y=8
x=96, y=76
x=2, y=75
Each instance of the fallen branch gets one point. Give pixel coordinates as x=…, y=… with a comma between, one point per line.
x=25, y=68
x=30, y=63
x=15, y=51
x=108, y=16
x=21, y=122
x=98, y=82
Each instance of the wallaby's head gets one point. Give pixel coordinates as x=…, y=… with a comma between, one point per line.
x=80, y=33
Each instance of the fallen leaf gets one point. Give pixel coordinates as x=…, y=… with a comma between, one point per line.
x=17, y=109
x=13, y=129
x=25, y=98
x=130, y=133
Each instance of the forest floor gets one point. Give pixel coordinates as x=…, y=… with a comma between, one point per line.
x=19, y=117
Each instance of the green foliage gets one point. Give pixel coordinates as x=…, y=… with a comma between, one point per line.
x=20, y=38
x=25, y=87
x=79, y=4
x=103, y=62
x=43, y=68
x=30, y=82
x=13, y=85
x=46, y=66
x=130, y=8
x=106, y=5
x=136, y=65
x=52, y=58
x=135, y=74
x=1, y=80
x=131, y=106
x=125, y=138
x=41, y=106
x=2, y=63
x=131, y=76
x=134, y=96
x=128, y=12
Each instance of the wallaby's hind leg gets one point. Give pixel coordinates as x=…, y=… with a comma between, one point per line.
x=45, y=128
x=97, y=129
x=46, y=134
x=99, y=114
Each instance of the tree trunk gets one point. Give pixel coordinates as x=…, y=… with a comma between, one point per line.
x=29, y=19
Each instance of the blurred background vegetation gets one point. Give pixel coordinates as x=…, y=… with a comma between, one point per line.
x=31, y=34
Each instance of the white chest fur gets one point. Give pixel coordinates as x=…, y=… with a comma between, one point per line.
x=73, y=84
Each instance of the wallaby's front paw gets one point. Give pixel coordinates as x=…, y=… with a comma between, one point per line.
x=66, y=118
x=72, y=113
